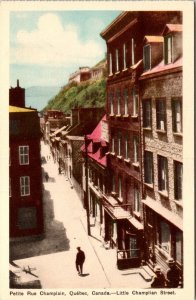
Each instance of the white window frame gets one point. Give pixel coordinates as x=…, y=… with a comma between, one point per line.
x=117, y=60
x=132, y=52
x=126, y=101
x=163, y=173
x=136, y=199
x=110, y=64
x=135, y=149
x=24, y=185
x=161, y=114
x=177, y=115
x=168, y=41
x=147, y=113
x=135, y=103
x=24, y=157
x=124, y=57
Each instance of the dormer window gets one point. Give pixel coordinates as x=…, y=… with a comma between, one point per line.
x=147, y=57
x=168, y=49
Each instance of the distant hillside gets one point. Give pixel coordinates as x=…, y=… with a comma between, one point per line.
x=38, y=96
x=86, y=94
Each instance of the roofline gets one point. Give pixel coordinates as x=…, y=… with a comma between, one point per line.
x=116, y=20
x=162, y=72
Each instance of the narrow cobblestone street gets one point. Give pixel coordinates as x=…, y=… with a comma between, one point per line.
x=53, y=257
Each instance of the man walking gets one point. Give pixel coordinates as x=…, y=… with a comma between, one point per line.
x=80, y=258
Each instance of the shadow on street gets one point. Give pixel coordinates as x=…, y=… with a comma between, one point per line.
x=53, y=240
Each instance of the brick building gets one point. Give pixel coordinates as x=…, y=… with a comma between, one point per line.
x=124, y=38
x=25, y=176
x=161, y=111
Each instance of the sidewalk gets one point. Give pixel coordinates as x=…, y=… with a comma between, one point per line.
x=65, y=230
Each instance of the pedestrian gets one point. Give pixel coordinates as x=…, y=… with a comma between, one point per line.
x=46, y=177
x=80, y=258
x=172, y=275
x=159, y=279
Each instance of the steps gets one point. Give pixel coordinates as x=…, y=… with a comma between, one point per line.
x=146, y=273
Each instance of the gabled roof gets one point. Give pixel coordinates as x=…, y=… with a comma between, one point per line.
x=172, y=28
x=153, y=39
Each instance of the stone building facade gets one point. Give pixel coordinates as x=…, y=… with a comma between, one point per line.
x=162, y=139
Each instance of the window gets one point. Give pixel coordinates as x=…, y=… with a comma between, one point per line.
x=111, y=101
x=110, y=64
x=162, y=173
x=136, y=199
x=113, y=145
x=148, y=167
x=27, y=218
x=113, y=184
x=124, y=57
x=164, y=236
x=120, y=188
x=119, y=144
x=117, y=61
x=179, y=247
x=135, y=149
x=177, y=116
x=135, y=103
x=161, y=114
x=118, y=101
x=147, y=115
x=24, y=155
x=168, y=49
x=126, y=101
x=132, y=52
x=178, y=168
x=146, y=57
x=126, y=148
x=25, y=186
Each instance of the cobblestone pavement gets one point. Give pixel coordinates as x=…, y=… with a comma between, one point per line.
x=53, y=257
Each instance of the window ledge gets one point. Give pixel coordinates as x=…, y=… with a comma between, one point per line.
x=179, y=202
x=125, y=116
x=119, y=156
x=147, y=128
x=108, y=153
x=127, y=160
x=124, y=69
x=118, y=115
x=134, y=116
x=118, y=72
x=112, y=153
x=161, y=131
x=136, y=164
x=110, y=75
x=180, y=134
x=149, y=185
x=111, y=115
x=164, y=194
x=163, y=252
x=137, y=214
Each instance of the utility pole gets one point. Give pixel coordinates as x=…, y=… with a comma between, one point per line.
x=86, y=194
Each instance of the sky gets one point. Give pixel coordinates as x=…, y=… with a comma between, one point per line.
x=45, y=47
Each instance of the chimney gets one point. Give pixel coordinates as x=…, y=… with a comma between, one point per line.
x=18, y=83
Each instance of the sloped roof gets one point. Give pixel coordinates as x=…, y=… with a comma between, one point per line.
x=172, y=28
x=153, y=39
x=17, y=109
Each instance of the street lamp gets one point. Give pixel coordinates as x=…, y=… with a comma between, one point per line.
x=86, y=194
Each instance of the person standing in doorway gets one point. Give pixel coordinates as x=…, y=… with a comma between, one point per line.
x=80, y=258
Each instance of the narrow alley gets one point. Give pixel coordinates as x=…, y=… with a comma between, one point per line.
x=53, y=257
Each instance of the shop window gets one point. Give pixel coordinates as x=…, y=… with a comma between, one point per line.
x=164, y=237
x=178, y=170
x=148, y=167
x=177, y=116
x=163, y=173
x=147, y=114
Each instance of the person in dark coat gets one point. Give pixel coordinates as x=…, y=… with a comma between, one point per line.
x=172, y=275
x=80, y=258
x=159, y=279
